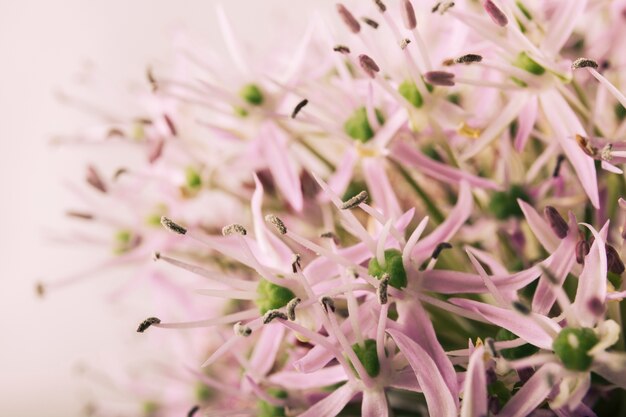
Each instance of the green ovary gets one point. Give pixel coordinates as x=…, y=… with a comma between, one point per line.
x=572, y=346
x=272, y=296
x=393, y=267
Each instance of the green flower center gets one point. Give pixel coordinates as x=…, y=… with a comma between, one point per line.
x=572, y=347
x=503, y=204
x=409, y=91
x=272, y=296
x=269, y=410
x=393, y=267
x=366, y=352
x=252, y=94
x=358, y=126
x=192, y=178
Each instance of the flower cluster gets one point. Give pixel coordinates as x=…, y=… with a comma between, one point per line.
x=415, y=211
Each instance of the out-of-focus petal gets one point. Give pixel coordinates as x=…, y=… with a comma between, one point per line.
x=475, y=387
x=533, y=393
x=333, y=404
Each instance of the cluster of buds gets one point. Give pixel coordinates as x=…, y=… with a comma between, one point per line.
x=420, y=214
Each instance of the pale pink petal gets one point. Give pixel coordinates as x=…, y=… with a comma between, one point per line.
x=527, y=119
x=565, y=125
x=276, y=151
x=538, y=225
x=533, y=393
x=610, y=365
x=298, y=380
x=374, y=404
x=592, y=279
x=379, y=187
x=405, y=379
x=475, y=387
x=444, y=232
x=266, y=348
x=523, y=326
x=440, y=401
x=406, y=154
x=333, y=404
x=339, y=180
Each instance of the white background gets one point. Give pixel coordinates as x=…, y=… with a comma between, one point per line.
x=43, y=45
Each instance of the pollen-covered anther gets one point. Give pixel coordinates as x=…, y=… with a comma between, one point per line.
x=381, y=6
x=404, y=43
x=242, y=330
x=330, y=235
x=440, y=248
x=582, y=249
x=94, y=179
x=559, y=163
x=291, y=308
x=172, y=227
x=79, y=215
x=144, y=325
x=586, y=146
x=557, y=223
x=299, y=107
x=442, y=78
x=156, y=256
x=584, y=63
x=40, y=289
x=370, y=22
x=469, y=59
x=442, y=7
x=271, y=315
x=151, y=79
x=295, y=263
x=495, y=13
x=234, y=229
x=491, y=347
x=521, y=308
x=342, y=49
x=328, y=304
x=606, y=154
x=348, y=18
x=381, y=291
x=368, y=65
x=355, y=201
x=408, y=15
x=277, y=223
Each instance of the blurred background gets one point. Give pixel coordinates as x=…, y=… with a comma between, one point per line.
x=49, y=47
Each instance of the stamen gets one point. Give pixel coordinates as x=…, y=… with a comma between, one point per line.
x=381, y=6
x=119, y=172
x=408, y=15
x=368, y=65
x=151, y=79
x=355, y=201
x=342, y=49
x=40, y=289
x=613, y=261
x=497, y=15
x=143, y=326
x=330, y=235
x=95, y=180
x=277, y=223
x=272, y=315
x=291, y=308
x=441, y=78
x=606, y=152
x=582, y=249
x=173, y=227
x=557, y=223
x=299, y=107
x=328, y=304
x=348, y=18
x=404, y=43
x=79, y=215
x=586, y=146
x=242, y=330
x=442, y=7
x=491, y=346
x=584, y=63
x=521, y=308
x=468, y=59
x=156, y=256
x=439, y=248
x=295, y=264
x=234, y=228
x=559, y=162
x=170, y=125
x=381, y=291
x=193, y=410
x=370, y=22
